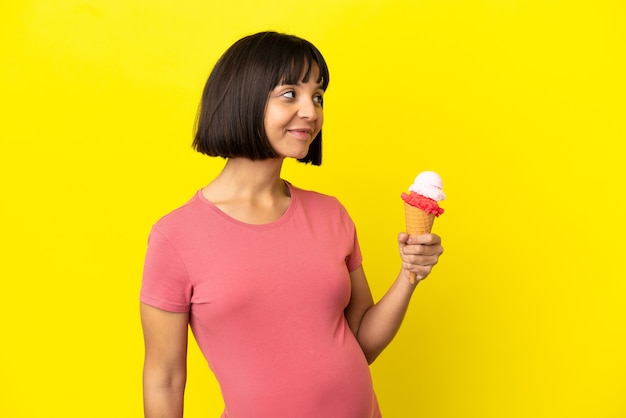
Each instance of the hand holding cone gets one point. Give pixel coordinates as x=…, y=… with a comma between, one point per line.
x=421, y=207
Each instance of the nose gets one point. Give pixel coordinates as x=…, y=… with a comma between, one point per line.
x=309, y=110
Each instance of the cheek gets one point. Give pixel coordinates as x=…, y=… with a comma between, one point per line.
x=277, y=116
x=271, y=120
x=320, y=119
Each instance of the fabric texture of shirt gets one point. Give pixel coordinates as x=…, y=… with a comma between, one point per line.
x=266, y=305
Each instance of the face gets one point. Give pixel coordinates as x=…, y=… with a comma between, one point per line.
x=294, y=116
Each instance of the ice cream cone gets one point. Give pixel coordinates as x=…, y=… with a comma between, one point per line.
x=417, y=222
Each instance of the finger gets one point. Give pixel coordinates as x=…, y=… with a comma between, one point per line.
x=421, y=272
x=422, y=249
x=424, y=239
x=402, y=238
x=417, y=262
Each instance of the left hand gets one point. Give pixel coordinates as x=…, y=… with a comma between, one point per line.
x=419, y=253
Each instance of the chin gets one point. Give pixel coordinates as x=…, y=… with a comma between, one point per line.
x=297, y=155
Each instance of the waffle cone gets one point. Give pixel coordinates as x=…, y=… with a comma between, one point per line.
x=417, y=222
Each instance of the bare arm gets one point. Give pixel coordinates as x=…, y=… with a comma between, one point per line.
x=165, y=363
x=375, y=325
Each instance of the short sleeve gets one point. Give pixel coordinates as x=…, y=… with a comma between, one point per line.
x=165, y=284
x=355, y=258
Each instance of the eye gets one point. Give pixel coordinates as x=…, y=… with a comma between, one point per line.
x=289, y=94
x=319, y=99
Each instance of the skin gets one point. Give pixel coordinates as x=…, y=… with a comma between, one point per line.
x=294, y=116
x=253, y=192
x=165, y=361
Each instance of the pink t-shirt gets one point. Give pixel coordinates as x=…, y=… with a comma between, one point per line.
x=267, y=304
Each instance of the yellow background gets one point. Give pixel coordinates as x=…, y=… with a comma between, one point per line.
x=519, y=105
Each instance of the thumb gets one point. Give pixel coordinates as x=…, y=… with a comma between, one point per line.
x=403, y=237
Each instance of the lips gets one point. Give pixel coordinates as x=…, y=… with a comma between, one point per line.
x=301, y=133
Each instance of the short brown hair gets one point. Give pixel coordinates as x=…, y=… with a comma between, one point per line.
x=230, y=121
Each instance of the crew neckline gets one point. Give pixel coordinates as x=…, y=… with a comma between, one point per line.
x=280, y=221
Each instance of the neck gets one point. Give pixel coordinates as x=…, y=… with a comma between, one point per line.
x=243, y=177
x=250, y=191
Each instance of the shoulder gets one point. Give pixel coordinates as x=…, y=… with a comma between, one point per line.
x=322, y=205
x=310, y=198
x=183, y=217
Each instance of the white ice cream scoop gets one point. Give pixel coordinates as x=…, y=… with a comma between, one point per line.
x=429, y=184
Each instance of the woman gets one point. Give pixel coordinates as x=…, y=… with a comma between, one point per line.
x=267, y=275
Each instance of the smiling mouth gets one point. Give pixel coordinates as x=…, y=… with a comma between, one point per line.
x=301, y=133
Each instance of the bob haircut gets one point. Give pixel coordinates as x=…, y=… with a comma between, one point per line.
x=230, y=120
